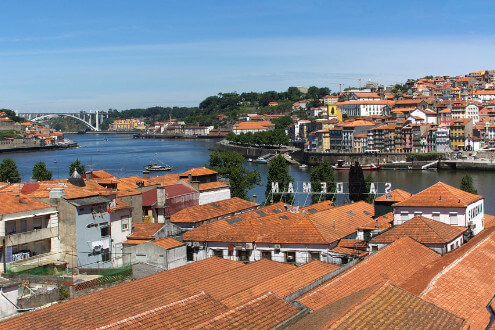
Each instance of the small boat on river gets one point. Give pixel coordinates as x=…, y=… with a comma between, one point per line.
x=157, y=167
x=340, y=166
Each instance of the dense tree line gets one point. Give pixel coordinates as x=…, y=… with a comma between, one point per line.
x=230, y=104
x=272, y=138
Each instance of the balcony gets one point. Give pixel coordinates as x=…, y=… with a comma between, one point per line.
x=31, y=236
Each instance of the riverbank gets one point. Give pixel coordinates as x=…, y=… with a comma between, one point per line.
x=31, y=148
x=176, y=136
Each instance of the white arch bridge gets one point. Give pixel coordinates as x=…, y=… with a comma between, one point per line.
x=91, y=120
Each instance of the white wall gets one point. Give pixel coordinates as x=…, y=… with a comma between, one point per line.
x=118, y=234
x=214, y=196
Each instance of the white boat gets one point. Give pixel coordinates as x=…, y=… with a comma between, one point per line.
x=303, y=166
x=156, y=167
x=260, y=160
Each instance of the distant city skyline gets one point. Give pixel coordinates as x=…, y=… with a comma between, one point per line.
x=58, y=56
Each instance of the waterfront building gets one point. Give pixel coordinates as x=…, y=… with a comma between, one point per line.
x=252, y=126
x=459, y=130
x=446, y=204
x=206, y=182
x=197, y=130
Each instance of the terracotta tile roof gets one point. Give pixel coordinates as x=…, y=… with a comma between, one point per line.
x=382, y=222
x=264, y=312
x=285, y=284
x=135, y=241
x=144, y=230
x=423, y=230
x=209, y=211
x=466, y=286
x=14, y=203
x=207, y=231
x=120, y=205
x=396, y=195
x=341, y=221
x=394, y=263
x=366, y=102
x=317, y=207
x=165, y=180
x=348, y=251
x=440, y=195
x=247, y=125
x=352, y=243
x=212, y=185
x=167, y=243
x=184, y=313
x=233, y=281
x=261, y=229
x=121, y=301
x=100, y=174
x=300, y=231
x=394, y=308
x=200, y=171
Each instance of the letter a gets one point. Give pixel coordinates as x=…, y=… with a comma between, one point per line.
x=290, y=190
x=372, y=189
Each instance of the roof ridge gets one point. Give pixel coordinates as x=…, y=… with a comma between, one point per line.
x=428, y=225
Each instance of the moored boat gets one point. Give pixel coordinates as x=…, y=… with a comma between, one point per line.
x=156, y=167
x=340, y=166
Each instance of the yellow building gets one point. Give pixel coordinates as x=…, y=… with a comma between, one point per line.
x=334, y=112
x=124, y=124
x=460, y=129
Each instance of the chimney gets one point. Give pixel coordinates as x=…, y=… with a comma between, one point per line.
x=89, y=175
x=160, y=196
x=189, y=177
x=146, y=174
x=255, y=199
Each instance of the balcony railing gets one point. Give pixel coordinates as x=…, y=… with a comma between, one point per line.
x=32, y=236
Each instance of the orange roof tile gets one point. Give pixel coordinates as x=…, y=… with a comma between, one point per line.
x=351, y=252
x=144, y=230
x=396, y=195
x=198, y=172
x=440, y=195
x=167, y=243
x=14, y=203
x=394, y=308
x=466, y=286
x=116, y=303
x=285, y=284
x=423, y=230
x=394, y=263
x=248, y=125
x=382, y=222
x=212, y=185
x=265, y=312
x=165, y=180
x=209, y=211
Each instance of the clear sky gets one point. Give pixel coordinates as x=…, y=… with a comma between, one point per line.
x=85, y=55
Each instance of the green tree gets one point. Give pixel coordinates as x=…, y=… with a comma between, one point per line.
x=294, y=93
x=76, y=165
x=40, y=172
x=278, y=173
x=322, y=173
x=9, y=172
x=282, y=122
x=368, y=181
x=467, y=184
x=357, y=185
x=229, y=166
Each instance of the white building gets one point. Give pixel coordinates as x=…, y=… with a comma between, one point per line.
x=446, y=204
x=365, y=108
x=30, y=229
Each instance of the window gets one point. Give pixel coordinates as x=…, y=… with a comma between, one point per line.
x=218, y=253
x=243, y=255
x=105, y=231
x=125, y=223
x=435, y=216
x=266, y=255
x=290, y=257
x=453, y=218
x=314, y=256
x=37, y=223
x=105, y=255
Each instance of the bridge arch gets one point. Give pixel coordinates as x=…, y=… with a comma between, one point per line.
x=53, y=115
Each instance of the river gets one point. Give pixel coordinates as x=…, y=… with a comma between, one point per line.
x=122, y=155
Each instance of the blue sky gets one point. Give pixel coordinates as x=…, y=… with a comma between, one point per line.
x=68, y=56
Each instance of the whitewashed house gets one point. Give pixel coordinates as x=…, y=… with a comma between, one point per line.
x=446, y=204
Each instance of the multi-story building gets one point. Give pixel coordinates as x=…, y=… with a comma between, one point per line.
x=446, y=204
x=28, y=228
x=459, y=130
x=442, y=140
x=365, y=108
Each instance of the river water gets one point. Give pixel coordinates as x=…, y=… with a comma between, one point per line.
x=122, y=155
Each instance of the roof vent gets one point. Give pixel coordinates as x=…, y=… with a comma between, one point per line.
x=350, y=213
x=76, y=179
